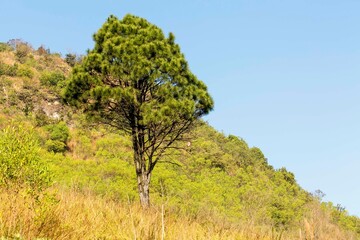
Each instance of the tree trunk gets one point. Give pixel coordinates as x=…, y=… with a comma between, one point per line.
x=143, y=187
x=142, y=173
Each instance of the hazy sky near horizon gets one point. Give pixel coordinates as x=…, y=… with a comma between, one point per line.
x=285, y=75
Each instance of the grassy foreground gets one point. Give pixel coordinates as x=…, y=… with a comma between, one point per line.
x=75, y=215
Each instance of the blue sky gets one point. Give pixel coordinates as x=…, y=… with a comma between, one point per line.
x=285, y=75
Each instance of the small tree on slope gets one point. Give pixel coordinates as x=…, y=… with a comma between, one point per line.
x=138, y=81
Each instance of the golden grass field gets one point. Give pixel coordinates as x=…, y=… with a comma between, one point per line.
x=74, y=215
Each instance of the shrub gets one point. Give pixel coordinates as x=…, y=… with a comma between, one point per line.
x=41, y=119
x=58, y=137
x=70, y=59
x=22, y=51
x=12, y=70
x=2, y=68
x=31, y=61
x=5, y=84
x=43, y=51
x=25, y=72
x=9, y=70
x=21, y=168
x=12, y=98
x=4, y=47
x=52, y=78
x=55, y=146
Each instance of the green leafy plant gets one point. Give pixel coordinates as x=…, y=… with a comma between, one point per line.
x=70, y=59
x=4, y=47
x=21, y=168
x=8, y=70
x=25, y=72
x=52, y=79
x=22, y=51
x=58, y=136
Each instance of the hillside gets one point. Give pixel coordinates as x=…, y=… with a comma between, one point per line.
x=210, y=187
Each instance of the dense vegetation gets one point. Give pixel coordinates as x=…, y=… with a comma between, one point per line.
x=62, y=177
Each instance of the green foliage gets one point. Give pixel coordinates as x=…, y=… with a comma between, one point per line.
x=8, y=70
x=41, y=119
x=31, y=62
x=251, y=193
x=20, y=164
x=113, y=146
x=12, y=98
x=81, y=145
x=22, y=51
x=5, y=84
x=341, y=217
x=55, y=146
x=58, y=136
x=134, y=66
x=2, y=69
x=52, y=79
x=70, y=59
x=111, y=178
x=25, y=72
x=137, y=80
x=4, y=47
x=59, y=132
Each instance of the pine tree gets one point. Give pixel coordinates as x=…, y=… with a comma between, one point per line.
x=137, y=80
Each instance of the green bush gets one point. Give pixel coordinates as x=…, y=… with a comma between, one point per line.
x=4, y=47
x=70, y=59
x=12, y=70
x=31, y=62
x=52, y=78
x=25, y=72
x=8, y=70
x=22, y=51
x=58, y=136
x=82, y=146
x=21, y=168
x=41, y=119
x=59, y=132
x=55, y=146
x=5, y=82
x=12, y=98
x=2, y=68
x=114, y=146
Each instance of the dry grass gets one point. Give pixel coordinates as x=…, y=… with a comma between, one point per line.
x=8, y=58
x=85, y=216
x=317, y=224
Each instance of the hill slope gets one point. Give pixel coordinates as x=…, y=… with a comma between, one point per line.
x=214, y=186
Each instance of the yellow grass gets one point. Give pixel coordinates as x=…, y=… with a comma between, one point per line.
x=7, y=58
x=86, y=216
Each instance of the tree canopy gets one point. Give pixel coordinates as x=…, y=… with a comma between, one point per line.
x=137, y=80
